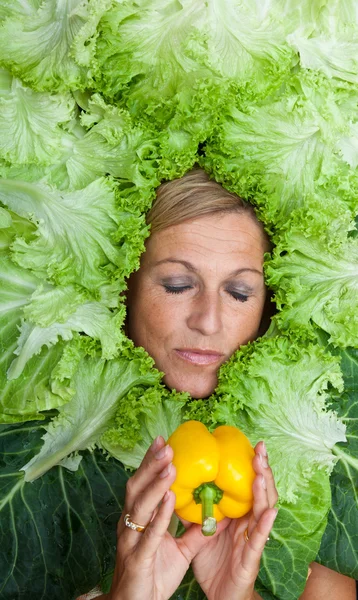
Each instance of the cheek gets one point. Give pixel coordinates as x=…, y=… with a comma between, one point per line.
x=150, y=323
x=243, y=326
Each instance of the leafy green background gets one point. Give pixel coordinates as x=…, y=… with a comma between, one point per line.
x=339, y=546
x=57, y=534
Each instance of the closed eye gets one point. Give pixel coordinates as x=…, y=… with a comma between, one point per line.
x=238, y=296
x=175, y=289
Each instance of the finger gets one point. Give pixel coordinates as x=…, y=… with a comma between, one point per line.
x=261, y=466
x=254, y=546
x=157, y=529
x=156, y=459
x=261, y=502
x=144, y=506
x=193, y=540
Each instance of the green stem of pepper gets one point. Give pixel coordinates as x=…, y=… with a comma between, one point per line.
x=207, y=496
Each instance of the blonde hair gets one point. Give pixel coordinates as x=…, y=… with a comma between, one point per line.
x=193, y=196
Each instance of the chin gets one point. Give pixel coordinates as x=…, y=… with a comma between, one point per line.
x=196, y=388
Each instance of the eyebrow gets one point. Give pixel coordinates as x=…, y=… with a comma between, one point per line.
x=191, y=267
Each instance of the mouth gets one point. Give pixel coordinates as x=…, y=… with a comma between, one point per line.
x=199, y=357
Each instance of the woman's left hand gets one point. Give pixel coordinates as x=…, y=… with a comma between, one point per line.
x=227, y=566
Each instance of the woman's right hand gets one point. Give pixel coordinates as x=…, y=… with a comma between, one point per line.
x=152, y=564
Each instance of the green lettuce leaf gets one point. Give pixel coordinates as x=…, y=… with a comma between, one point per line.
x=332, y=47
x=38, y=48
x=149, y=41
x=74, y=231
x=12, y=225
x=246, y=43
x=276, y=390
x=139, y=420
x=91, y=318
x=115, y=144
x=100, y=387
x=23, y=398
x=10, y=8
x=292, y=145
x=314, y=273
x=30, y=122
x=105, y=141
x=156, y=56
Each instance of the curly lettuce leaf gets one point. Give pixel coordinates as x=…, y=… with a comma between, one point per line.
x=276, y=390
x=314, y=273
x=38, y=48
x=30, y=122
x=296, y=143
x=103, y=141
x=11, y=8
x=332, y=46
x=148, y=41
x=279, y=389
x=11, y=226
x=100, y=387
x=144, y=415
x=91, y=318
x=246, y=43
x=156, y=56
x=31, y=393
x=125, y=150
x=74, y=231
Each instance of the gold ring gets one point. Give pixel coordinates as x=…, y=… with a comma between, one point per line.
x=132, y=525
x=246, y=535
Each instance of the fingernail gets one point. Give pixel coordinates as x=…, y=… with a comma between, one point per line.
x=263, y=482
x=166, y=471
x=156, y=443
x=276, y=511
x=166, y=496
x=263, y=461
x=162, y=452
x=264, y=451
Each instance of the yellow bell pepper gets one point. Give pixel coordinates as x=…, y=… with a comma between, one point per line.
x=214, y=470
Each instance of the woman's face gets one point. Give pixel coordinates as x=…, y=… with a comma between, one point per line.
x=198, y=295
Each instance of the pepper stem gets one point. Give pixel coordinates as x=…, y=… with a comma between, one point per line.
x=207, y=496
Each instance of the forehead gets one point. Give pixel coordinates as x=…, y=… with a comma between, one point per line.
x=225, y=237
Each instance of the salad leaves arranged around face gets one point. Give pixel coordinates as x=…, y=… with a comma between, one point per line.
x=314, y=272
x=100, y=101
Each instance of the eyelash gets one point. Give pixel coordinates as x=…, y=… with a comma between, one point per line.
x=176, y=290
x=179, y=290
x=239, y=297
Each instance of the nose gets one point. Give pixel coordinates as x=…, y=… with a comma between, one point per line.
x=205, y=313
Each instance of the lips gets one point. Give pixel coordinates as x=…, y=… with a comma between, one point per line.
x=199, y=357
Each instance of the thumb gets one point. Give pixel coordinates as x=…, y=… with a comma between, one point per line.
x=192, y=541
